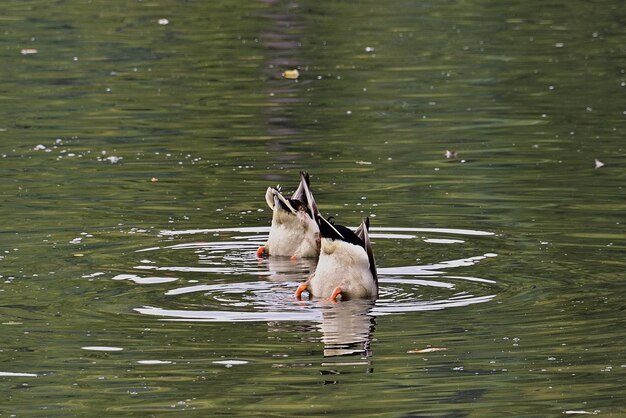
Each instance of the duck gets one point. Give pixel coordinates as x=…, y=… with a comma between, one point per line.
x=346, y=268
x=294, y=231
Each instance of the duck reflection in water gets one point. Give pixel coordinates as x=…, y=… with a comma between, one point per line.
x=286, y=269
x=347, y=328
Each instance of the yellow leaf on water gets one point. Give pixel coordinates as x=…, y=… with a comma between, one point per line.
x=291, y=74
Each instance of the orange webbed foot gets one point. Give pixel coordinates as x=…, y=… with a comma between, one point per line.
x=294, y=258
x=335, y=294
x=260, y=251
x=302, y=288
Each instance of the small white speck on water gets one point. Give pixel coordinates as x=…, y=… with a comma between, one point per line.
x=598, y=163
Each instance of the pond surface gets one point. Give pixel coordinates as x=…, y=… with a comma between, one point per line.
x=136, y=143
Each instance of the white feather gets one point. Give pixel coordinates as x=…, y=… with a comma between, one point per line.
x=269, y=198
x=293, y=234
x=343, y=265
x=293, y=231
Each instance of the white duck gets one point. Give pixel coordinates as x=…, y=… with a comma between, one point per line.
x=294, y=231
x=346, y=265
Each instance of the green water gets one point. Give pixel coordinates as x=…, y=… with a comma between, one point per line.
x=135, y=154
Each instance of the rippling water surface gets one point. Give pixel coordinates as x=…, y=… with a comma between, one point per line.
x=268, y=295
x=137, y=140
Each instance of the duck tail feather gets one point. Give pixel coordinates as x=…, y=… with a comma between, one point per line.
x=326, y=225
x=363, y=233
x=269, y=197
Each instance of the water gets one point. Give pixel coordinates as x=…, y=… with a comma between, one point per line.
x=135, y=152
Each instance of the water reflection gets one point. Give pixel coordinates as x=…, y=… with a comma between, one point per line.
x=219, y=279
x=283, y=268
x=268, y=296
x=281, y=43
x=347, y=327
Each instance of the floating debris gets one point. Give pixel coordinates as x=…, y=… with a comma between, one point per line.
x=154, y=362
x=102, y=348
x=451, y=154
x=598, y=163
x=144, y=280
x=28, y=51
x=17, y=374
x=89, y=276
x=427, y=350
x=230, y=363
x=291, y=74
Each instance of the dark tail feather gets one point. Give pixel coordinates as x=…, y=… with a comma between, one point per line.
x=363, y=233
x=303, y=194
